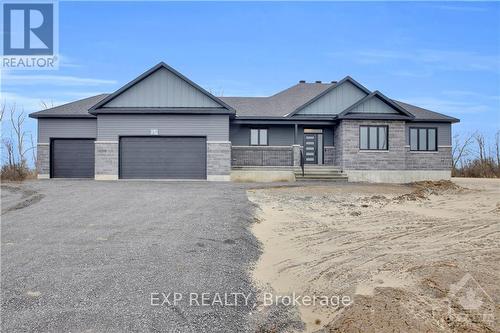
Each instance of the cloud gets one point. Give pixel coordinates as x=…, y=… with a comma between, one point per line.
x=431, y=59
x=55, y=80
x=461, y=8
x=28, y=103
x=448, y=106
x=473, y=94
x=65, y=61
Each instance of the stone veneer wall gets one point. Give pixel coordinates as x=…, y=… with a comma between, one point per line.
x=106, y=160
x=354, y=159
x=337, y=141
x=43, y=160
x=398, y=164
x=218, y=160
x=438, y=160
x=329, y=155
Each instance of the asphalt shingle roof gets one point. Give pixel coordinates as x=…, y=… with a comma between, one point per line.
x=424, y=114
x=79, y=108
x=278, y=105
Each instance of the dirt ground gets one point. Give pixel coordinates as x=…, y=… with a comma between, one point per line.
x=419, y=258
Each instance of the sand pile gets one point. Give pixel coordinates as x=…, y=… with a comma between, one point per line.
x=397, y=250
x=424, y=189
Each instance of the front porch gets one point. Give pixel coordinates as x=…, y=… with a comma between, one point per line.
x=283, y=145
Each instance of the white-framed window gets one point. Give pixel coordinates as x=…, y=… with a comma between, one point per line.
x=373, y=137
x=423, y=138
x=258, y=137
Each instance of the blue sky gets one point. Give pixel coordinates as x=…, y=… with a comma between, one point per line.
x=442, y=56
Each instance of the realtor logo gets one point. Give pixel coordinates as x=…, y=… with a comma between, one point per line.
x=28, y=28
x=30, y=34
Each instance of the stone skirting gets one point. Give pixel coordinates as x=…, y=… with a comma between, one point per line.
x=329, y=155
x=262, y=156
x=106, y=160
x=218, y=160
x=43, y=160
x=432, y=160
x=396, y=176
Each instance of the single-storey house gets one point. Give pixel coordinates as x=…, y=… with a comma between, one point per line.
x=162, y=125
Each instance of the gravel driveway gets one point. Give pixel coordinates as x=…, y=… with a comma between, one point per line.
x=86, y=255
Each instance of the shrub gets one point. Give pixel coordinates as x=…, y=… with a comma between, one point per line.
x=16, y=172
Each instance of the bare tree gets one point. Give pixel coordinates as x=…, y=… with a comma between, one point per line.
x=497, y=148
x=33, y=151
x=2, y=110
x=17, y=122
x=481, y=146
x=461, y=148
x=9, y=150
x=46, y=105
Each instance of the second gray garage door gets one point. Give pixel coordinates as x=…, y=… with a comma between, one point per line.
x=163, y=157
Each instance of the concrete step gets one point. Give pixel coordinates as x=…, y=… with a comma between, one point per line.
x=315, y=175
x=333, y=179
x=321, y=176
x=319, y=172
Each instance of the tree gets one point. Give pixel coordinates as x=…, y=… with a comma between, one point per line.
x=461, y=149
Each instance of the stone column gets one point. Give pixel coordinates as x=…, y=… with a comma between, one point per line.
x=296, y=155
x=106, y=160
x=43, y=160
x=218, y=160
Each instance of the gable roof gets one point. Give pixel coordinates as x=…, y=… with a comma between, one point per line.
x=333, y=86
x=283, y=104
x=278, y=104
x=422, y=114
x=76, y=109
x=100, y=107
x=383, y=98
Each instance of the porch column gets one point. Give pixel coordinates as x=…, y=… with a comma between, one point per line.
x=296, y=134
x=296, y=155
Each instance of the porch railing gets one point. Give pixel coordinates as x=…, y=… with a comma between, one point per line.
x=261, y=156
x=302, y=162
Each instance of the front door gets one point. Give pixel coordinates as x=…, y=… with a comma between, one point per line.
x=310, y=148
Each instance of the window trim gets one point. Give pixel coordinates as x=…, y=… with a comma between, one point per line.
x=426, y=138
x=378, y=138
x=259, y=129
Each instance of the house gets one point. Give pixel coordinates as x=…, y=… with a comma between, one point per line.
x=162, y=125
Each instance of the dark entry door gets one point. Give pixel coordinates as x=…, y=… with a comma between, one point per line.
x=163, y=157
x=72, y=158
x=311, y=148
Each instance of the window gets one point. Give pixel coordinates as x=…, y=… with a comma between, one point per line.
x=258, y=137
x=423, y=139
x=373, y=137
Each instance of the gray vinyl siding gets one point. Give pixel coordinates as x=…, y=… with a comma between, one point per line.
x=335, y=101
x=214, y=127
x=277, y=135
x=162, y=89
x=444, y=132
x=373, y=105
x=65, y=128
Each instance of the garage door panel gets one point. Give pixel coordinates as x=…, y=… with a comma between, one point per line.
x=73, y=158
x=163, y=157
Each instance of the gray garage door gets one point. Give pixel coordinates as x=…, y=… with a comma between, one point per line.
x=72, y=158
x=163, y=157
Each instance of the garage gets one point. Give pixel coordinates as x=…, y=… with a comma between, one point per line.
x=72, y=158
x=163, y=158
